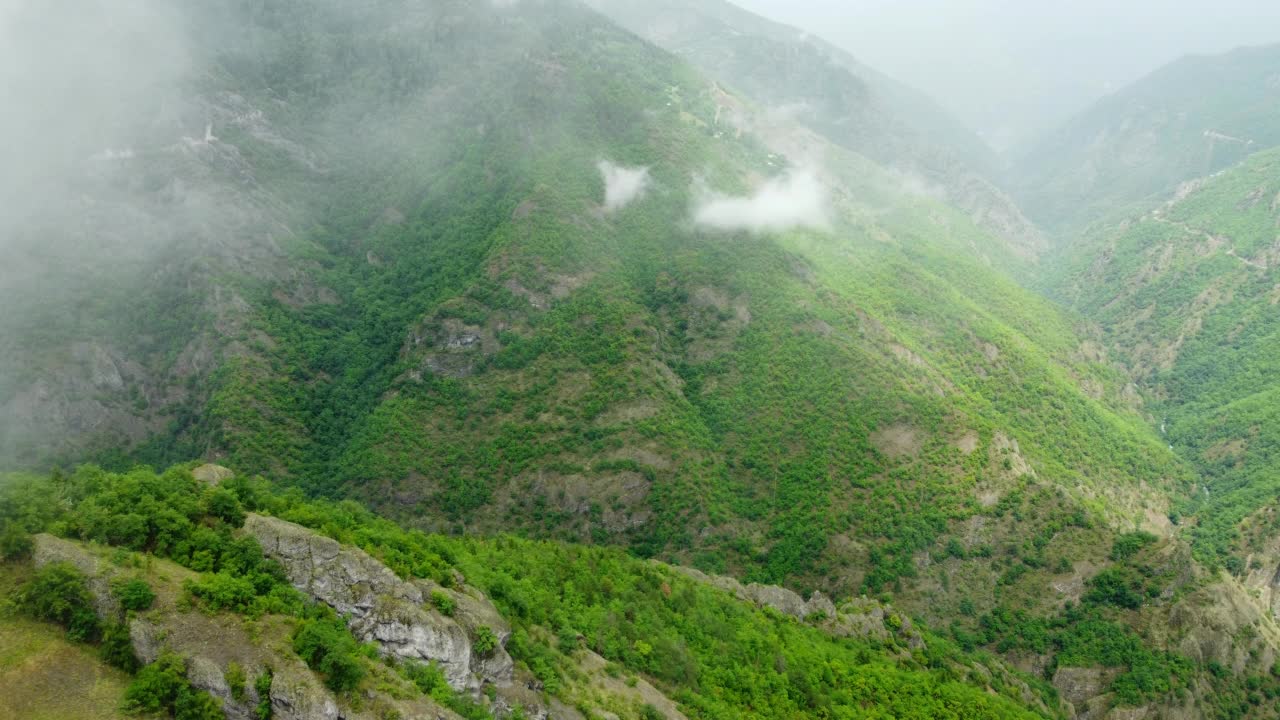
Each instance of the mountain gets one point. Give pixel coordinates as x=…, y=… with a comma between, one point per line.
x=1185, y=293
x=507, y=269
x=1191, y=118
x=808, y=80
x=405, y=281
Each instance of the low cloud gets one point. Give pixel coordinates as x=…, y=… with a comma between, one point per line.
x=798, y=199
x=622, y=185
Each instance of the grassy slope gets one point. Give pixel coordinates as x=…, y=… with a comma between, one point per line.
x=43, y=676
x=1189, y=303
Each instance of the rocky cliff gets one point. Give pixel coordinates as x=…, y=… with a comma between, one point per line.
x=384, y=609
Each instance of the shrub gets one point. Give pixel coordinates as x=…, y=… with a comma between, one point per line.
x=443, y=602
x=1118, y=586
x=221, y=591
x=58, y=593
x=224, y=505
x=134, y=594
x=262, y=684
x=15, y=544
x=328, y=648
x=1128, y=545
x=117, y=648
x=236, y=680
x=486, y=642
x=426, y=676
x=162, y=687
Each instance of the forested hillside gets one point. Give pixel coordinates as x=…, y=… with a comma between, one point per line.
x=635, y=370
x=442, y=315
x=1186, y=294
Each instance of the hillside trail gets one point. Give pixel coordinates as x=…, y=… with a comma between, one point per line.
x=1158, y=216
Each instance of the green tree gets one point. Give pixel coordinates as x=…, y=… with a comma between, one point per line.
x=328, y=648
x=58, y=593
x=134, y=594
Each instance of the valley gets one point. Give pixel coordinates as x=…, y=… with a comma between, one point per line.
x=567, y=360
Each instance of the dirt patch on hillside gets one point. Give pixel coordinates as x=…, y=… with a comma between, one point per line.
x=898, y=440
x=907, y=356
x=1007, y=455
x=1226, y=450
x=966, y=443
x=628, y=413
x=643, y=456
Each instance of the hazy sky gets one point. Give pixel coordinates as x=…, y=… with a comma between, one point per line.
x=1012, y=67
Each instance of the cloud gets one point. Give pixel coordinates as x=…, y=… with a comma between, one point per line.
x=622, y=185
x=798, y=199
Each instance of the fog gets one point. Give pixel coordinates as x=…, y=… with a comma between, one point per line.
x=797, y=199
x=80, y=82
x=1013, y=68
x=622, y=185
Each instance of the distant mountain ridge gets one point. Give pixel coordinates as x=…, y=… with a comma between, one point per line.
x=1188, y=119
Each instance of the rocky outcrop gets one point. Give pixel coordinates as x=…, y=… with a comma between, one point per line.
x=211, y=643
x=48, y=550
x=859, y=617
x=382, y=608
x=212, y=474
x=787, y=602
x=1085, y=688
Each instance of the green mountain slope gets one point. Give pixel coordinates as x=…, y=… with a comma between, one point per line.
x=436, y=314
x=1188, y=119
x=1186, y=293
x=506, y=267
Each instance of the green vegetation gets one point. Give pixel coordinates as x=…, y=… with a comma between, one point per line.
x=162, y=687
x=329, y=649
x=421, y=304
x=714, y=655
x=1189, y=307
x=58, y=593
x=443, y=602
x=134, y=594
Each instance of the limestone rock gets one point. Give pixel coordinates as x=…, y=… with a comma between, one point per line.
x=295, y=695
x=48, y=550
x=212, y=474
x=787, y=602
x=385, y=609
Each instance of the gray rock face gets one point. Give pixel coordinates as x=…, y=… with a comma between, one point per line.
x=385, y=609
x=787, y=602
x=1085, y=689
x=859, y=617
x=48, y=550
x=294, y=696
x=212, y=474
